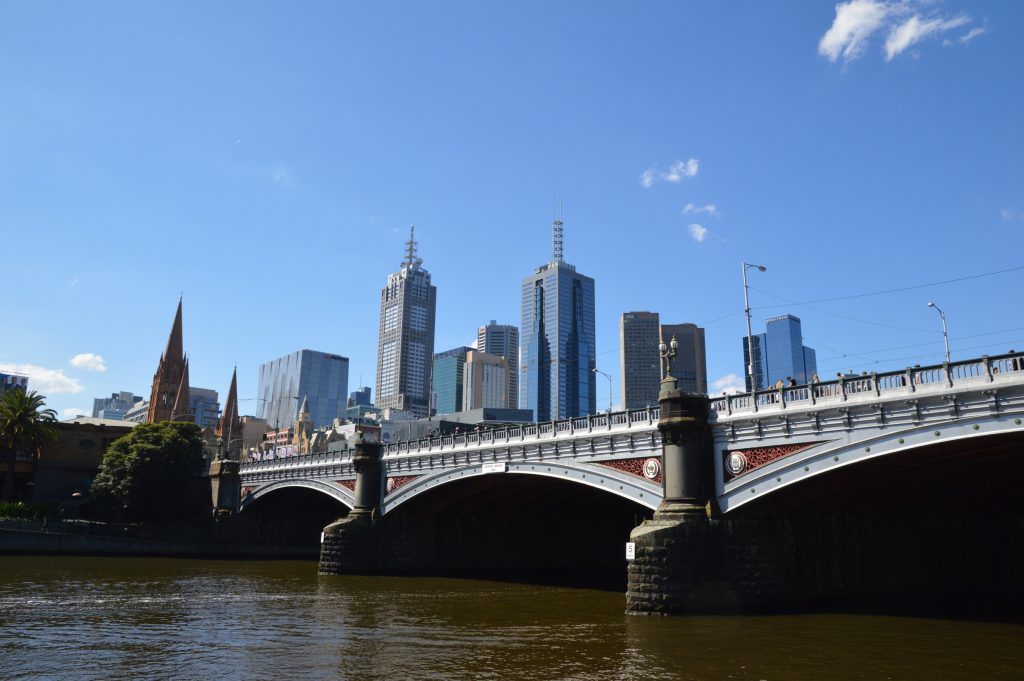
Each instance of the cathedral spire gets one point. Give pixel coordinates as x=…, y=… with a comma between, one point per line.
x=168, y=377
x=175, y=344
x=229, y=429
x=182, y=409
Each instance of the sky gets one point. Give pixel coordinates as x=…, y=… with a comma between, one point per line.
x=264, y=162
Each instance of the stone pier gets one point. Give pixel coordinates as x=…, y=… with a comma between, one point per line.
x=352, y=545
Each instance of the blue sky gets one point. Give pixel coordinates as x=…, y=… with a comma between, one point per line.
x=266, y=160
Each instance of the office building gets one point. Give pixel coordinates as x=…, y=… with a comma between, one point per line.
x=557, y=352
x=360, y=398
x=503, y=340
x=485, y=382
x=639, y=360
x=284, y=382
x=114, y=407
x=405, y=339
x=780, y=355
x=204, y=405
x=690, y=366
x=447, y=378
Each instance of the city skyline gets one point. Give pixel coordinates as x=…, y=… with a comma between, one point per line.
x=821, y=159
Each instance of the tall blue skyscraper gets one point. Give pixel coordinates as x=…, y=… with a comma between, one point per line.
x=320, y=377
x=780, y=354
x=557, y=355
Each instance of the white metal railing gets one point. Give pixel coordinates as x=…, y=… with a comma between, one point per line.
x=907, y=381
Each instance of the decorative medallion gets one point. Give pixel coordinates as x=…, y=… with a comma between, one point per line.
x=637, y=467
x=735, y=463
x=348, y=484
x=399, y=481
x=741, y=461
x=652, y=469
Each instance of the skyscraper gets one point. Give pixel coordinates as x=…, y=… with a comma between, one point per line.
x=639, y=360
x=286, y=381
x=447, y=378
x=557, y=355
x=503, y=340
x=405, y=341
x=779, y=353
x=690, y=366
x=485, y=381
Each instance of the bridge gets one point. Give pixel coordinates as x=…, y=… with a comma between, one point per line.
x=763, y=442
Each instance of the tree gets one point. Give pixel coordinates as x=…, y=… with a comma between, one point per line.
x=24, y=426
x=149, y=473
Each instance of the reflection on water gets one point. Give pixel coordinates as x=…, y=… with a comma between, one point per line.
x=102, y=618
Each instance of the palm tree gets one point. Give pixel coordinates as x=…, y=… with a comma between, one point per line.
x=24, y=426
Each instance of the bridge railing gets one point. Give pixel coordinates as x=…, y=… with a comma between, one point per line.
x=907, y=381
x=532, y=431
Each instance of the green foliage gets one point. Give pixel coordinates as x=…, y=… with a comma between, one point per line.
x=19, y=510
x=148, y=474
x=24, y=426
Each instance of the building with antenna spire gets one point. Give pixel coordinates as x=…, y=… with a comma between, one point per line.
x=557, y=339
x=405, y=341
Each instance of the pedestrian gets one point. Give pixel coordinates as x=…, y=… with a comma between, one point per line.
x=790, y=381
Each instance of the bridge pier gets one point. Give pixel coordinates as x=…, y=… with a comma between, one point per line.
x=352, y=544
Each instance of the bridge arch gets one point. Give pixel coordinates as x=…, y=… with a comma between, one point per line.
x=329, y=487
x=844, y=456
x=640, y=491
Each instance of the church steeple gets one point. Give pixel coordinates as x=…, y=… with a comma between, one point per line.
x=171, y=373
x=229, y=429
x=182, y=410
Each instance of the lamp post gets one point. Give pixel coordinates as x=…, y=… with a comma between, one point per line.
x=945, y=331
x=746, y=309
x=598, y=371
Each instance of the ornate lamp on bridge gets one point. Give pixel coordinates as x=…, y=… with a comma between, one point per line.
x=684, y=438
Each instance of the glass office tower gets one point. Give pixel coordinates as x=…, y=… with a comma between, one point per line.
x=319, y=376
x=779, y=353
x=557, y=355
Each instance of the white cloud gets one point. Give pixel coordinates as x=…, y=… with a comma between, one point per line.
x=1011, y=215
x=730, y=384
x=74, y=282
x=965, y=38
x=854, y=23
x=43, y=380
x=915, y=29
x=678, y=171
x=697, y=232
x=708, y=208
x=88, y=361
x=72, y=412
x=281, y=176
x=907, y=23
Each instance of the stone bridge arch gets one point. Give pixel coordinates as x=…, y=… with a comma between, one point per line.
x=646, y=493
x=837, y=455
x=331, y=488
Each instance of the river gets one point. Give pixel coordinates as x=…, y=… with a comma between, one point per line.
x=142, y=618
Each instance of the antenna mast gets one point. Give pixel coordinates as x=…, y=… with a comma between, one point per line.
x=410, y=249
x=556, y=234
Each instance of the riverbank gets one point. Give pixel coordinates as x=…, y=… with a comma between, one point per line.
x=74, y=538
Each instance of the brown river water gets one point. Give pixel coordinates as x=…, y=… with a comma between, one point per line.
x=147, y=618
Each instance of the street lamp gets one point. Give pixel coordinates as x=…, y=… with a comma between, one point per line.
x=746, y=308
x=945, y=331
x=598, y=371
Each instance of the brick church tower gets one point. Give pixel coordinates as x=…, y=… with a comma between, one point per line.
x=229, y=428
x=169, y=400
